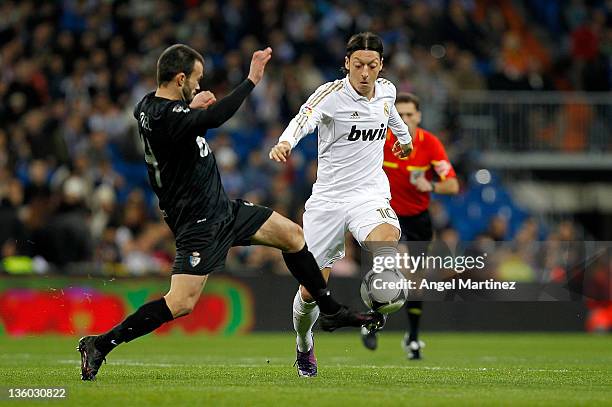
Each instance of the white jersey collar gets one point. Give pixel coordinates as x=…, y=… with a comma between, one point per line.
x=356, y=96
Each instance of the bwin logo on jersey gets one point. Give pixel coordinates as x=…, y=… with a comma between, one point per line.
x=367, y=134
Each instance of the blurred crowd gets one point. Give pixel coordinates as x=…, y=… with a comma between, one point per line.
x=73, y=185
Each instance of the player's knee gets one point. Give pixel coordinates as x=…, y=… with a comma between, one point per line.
x=390, y=234
x=305, y=294
x=294, y=238
x=184, y=308
x=181, y=306
x=298, y=237
x=384, y=233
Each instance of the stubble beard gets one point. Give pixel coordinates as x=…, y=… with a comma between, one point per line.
x=187, y=94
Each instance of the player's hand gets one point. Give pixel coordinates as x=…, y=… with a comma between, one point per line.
x=422, y=185
x=401, y=150
x=258, y=64
x=280, y=152
x=202, y=100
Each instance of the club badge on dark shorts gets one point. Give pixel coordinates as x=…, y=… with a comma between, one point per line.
x=194, y=259
x=208, y=244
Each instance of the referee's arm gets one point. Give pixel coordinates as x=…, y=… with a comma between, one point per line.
x=449, y=186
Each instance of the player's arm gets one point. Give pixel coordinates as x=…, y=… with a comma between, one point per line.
x=203, y=100
x=403, y=146
x=218, y=112
x=302, y=124
x=308, y=118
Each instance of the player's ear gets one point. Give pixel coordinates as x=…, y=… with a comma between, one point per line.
x=180, y=79
x=381, y=63
x=346, y=63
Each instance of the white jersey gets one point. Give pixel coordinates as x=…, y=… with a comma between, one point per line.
x=352, y=134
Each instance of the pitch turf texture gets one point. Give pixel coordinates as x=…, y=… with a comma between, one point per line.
x=256, y=370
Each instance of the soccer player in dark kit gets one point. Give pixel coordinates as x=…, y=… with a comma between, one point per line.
x=172, y=122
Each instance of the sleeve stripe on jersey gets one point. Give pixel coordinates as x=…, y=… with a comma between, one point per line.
x=302, y=120
x=316, y=99
x=313, y=99
x=319, y=98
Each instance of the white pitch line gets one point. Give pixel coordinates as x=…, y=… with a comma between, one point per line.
x=124, y=362
x=450, y=368
x=16, y=356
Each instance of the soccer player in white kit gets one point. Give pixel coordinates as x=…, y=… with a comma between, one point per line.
x=351, y=192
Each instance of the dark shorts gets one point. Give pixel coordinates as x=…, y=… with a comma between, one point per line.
x=203, y=248
x=417, y=231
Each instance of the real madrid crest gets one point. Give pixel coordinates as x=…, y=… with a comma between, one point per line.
x=386, y=109
x=194, y=259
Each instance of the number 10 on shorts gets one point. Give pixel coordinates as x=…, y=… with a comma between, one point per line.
x=387, y=213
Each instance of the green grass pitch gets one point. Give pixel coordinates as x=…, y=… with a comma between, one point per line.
x=256, y=370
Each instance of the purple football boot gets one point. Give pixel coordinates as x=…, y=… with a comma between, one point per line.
x=306, y=362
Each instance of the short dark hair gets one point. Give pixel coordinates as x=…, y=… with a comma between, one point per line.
x=174, y=60
x=405, y=97
x=366, y=41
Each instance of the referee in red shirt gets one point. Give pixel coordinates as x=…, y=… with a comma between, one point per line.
x=412, y=181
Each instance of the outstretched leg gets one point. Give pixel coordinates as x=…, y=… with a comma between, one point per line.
x=180, y=300
x=287, y=236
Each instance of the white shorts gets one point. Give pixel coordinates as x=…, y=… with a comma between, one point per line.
x=326, y=223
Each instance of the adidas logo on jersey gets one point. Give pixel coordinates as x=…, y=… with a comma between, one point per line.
x=355, y=115
x=367, y=134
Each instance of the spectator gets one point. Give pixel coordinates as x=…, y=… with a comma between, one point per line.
x=72, y=72
x=68, y=231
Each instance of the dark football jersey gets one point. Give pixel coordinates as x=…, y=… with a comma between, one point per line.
x=181, y=167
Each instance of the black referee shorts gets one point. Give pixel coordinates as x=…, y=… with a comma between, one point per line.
x=417, y=232
x=206, y=245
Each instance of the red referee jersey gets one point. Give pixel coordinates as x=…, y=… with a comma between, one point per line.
x=427, y=157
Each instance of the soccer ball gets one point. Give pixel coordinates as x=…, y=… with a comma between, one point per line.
x=385, y=292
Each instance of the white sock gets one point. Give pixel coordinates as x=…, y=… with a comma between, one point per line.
x=305, y=314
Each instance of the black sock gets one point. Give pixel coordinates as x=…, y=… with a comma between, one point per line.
x=147, y=318
x=414, y=309
x=305, y=269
